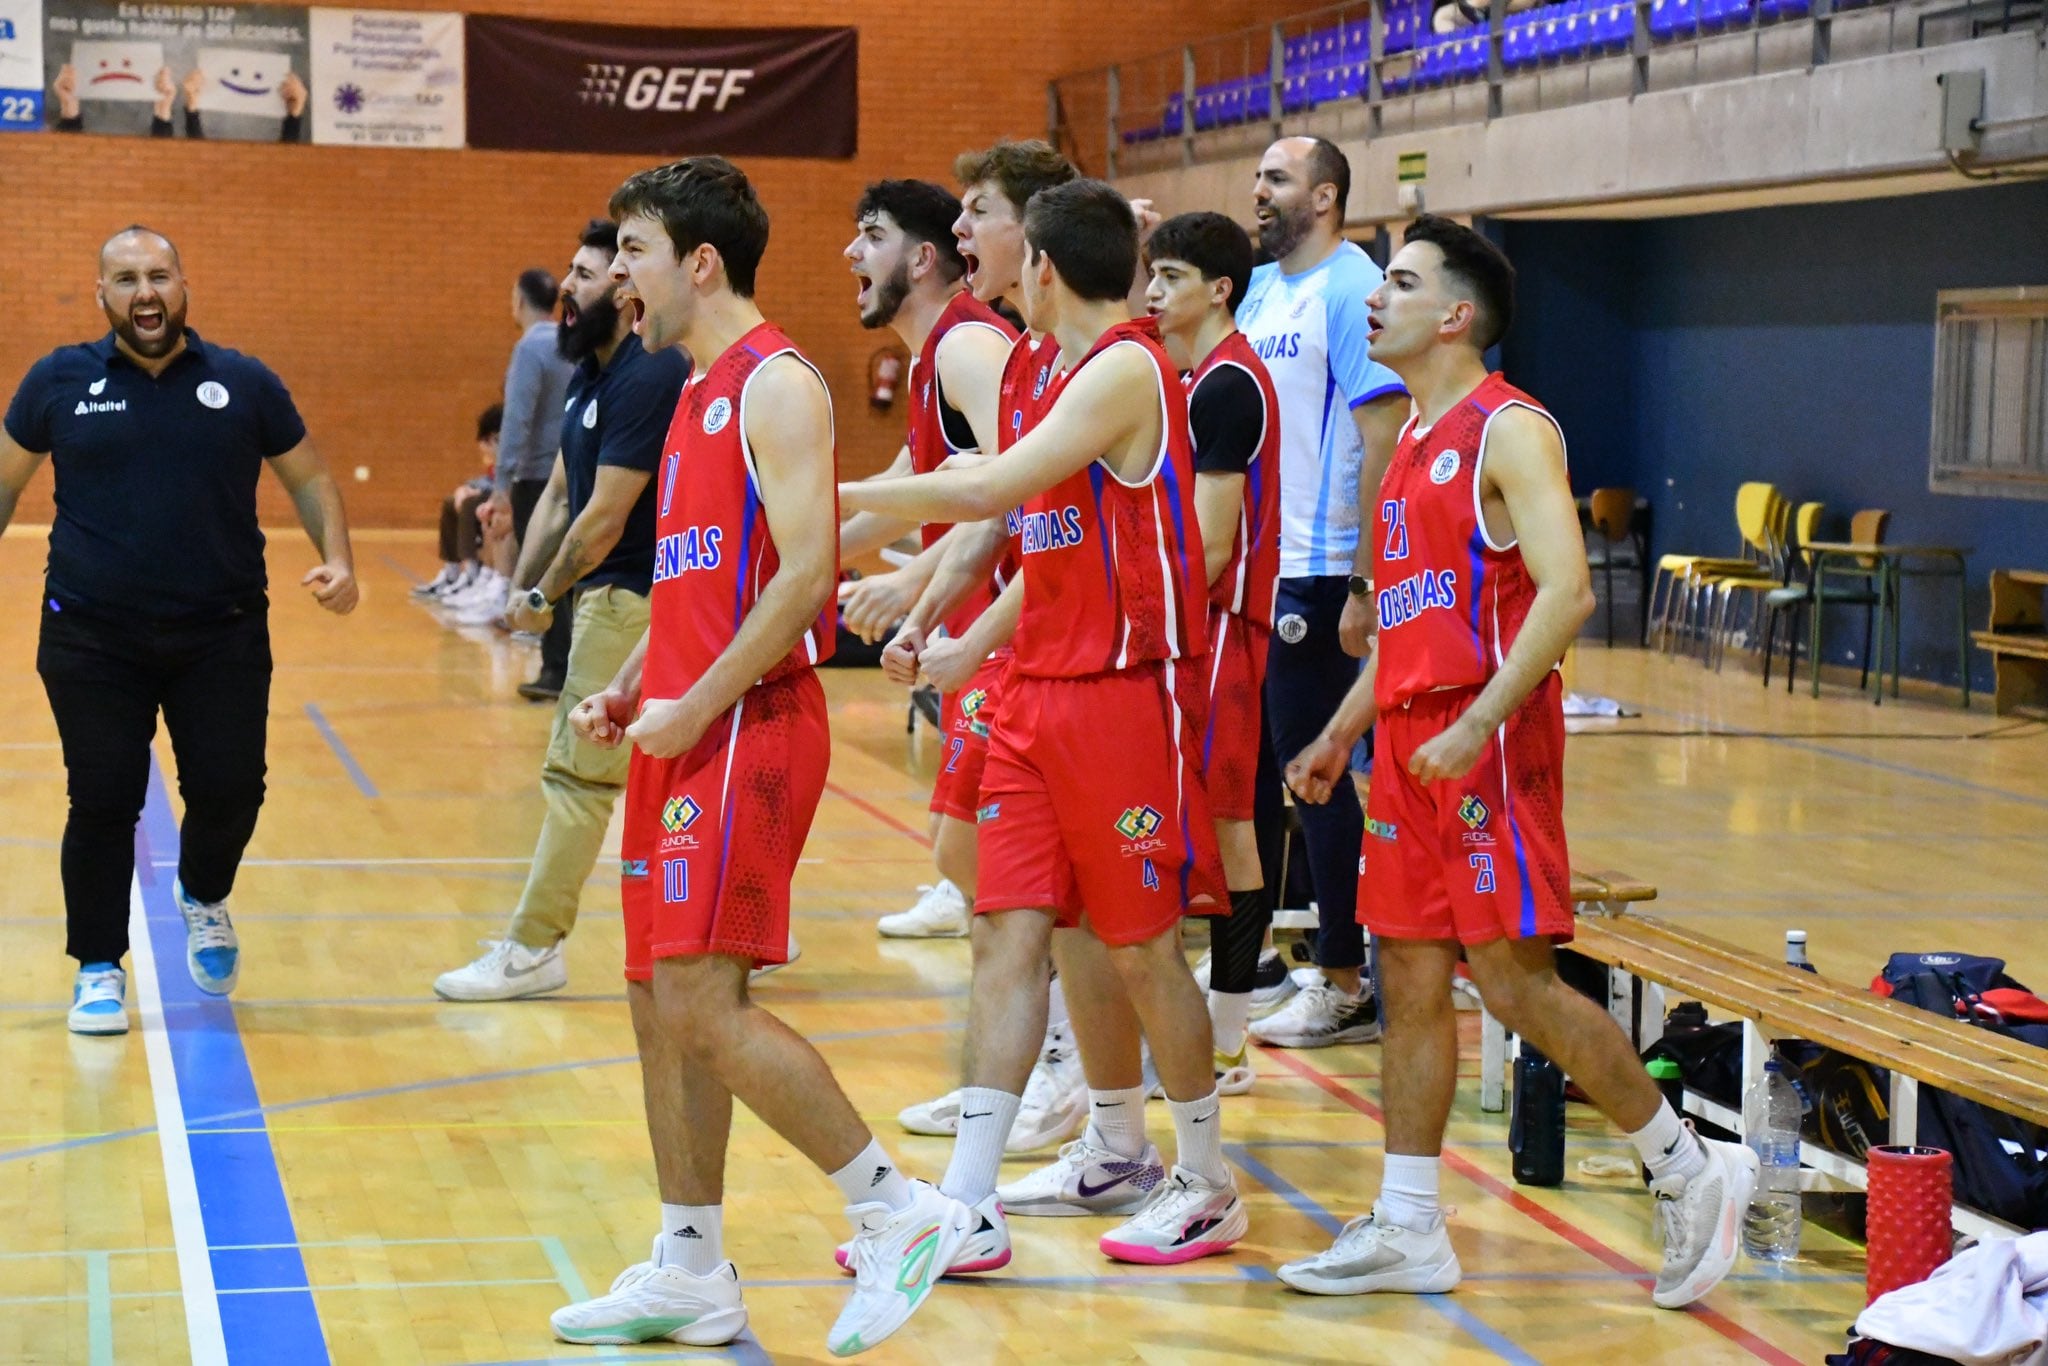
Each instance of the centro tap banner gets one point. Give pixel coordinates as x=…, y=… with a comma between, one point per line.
x=554, y=86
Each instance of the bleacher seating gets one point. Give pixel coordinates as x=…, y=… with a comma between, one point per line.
x=1332, y=64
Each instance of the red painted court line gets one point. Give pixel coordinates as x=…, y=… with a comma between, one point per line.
x=1522, y=1204
x=879, y=814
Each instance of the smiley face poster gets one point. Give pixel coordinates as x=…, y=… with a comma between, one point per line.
x=233, y=72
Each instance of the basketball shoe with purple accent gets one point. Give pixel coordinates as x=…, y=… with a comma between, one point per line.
x=1086, y=1178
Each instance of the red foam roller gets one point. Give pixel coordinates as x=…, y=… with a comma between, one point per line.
x=1910, y=1197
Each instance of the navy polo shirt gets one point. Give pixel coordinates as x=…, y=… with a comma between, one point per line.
x=155, y=477
x=618, y=414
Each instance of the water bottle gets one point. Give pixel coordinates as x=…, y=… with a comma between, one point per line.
x=1770, y=1123
x=1536, y=1120
x=1795, y=951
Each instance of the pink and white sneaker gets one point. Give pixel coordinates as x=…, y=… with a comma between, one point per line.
x=986, y=1249
x=1186, y=1218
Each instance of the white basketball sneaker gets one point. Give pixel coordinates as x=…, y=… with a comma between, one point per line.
x=1055, y=1100
x=897, y=1258
x=934, y=1118
x=940, y=913
x=650, y=1302
x=1702, y=1219
x=1373, y=1256
x=1186, y=1218
x=507, y=971
x=985, y=1249
x=1085, y=1179
x=1320, y=1016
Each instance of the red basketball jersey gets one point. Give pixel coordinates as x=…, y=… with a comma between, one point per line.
x=1027, y=382
x=1113, y=571
x=1450, y=601
x=927, y=439
x=1249, y=582
x=713, y=553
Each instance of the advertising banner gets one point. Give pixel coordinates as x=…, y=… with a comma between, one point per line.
x=387, y=78
x=173, y=70
x=21, y=65
x=556, y=86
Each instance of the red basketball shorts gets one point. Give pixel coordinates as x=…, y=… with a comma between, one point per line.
x=964, y=718
x=1478, y=858
x=1236, y=676
x=1092, y=803
x=712, y=835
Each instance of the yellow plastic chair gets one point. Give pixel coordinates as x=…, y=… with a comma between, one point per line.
x=1764, y=532
x=1757, y=504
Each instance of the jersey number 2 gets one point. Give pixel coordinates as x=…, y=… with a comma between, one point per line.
x=1482, y=868
x=1394, y=512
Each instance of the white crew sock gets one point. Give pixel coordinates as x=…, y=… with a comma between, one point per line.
x=1198, y=1130
x=1409, y=1192
x=872, y=1176
x=1229, y=1013
x=1116, y=1119
x=693, y=1237
x=1667, y=1147
x=985, y=1119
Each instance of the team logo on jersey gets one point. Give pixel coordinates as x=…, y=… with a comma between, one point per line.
x=1293, y=628
x=632, y=867
x=98, y=387
x=1038, y=385
x=1444, y=468
x=1381, y=830
x=1473, y=812
x=213, y=394
x=988, y=813
x=680, y=813
x=970, y=707
x=590, y=416
x=1139, y=823
x=717, y=415
x=111, y=405
x=1300, y=307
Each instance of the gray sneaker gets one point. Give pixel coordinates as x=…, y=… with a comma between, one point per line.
x=1702, y=1219
x=1320, y=1016
x=1371, y=1256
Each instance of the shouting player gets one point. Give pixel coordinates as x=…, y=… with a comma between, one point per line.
x=1093, y=813
x=1200, y=265
x=1481, y=580
x=910, y=269
x=722, y=705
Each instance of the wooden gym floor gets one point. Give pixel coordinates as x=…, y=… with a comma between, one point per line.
x=343, y=1167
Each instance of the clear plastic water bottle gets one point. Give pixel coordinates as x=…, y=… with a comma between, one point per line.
x=1770, y=1123
x=1795, y=951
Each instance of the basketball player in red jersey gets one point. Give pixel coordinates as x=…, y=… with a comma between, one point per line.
x=910, y=270
x=1481, y=582
x=996, y=184
x=1200, y=266
x=723, y=707
x=1093, y=813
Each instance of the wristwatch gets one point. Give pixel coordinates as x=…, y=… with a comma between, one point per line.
x=536, y=601
x=1360, y=586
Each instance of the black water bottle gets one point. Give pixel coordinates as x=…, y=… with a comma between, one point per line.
x=1536, y=1122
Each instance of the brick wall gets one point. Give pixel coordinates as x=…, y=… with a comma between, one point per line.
x=377, y=283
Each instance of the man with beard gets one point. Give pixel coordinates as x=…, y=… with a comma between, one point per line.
x=1339, y=416
x=156, y=599
x=592, y=534
x=910, y=269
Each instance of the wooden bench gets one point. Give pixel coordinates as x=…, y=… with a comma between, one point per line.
x=2017, y=640
x=1648, y=958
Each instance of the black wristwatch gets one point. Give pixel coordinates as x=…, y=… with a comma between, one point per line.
x=1360, y=586
x=536, y=601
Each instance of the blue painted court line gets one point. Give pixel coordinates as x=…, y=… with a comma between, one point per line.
x=398, y=567
x=348, y=761
x=1480, y=1331
x=241, y=1193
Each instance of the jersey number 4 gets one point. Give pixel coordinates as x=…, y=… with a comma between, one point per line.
x=1394, y=512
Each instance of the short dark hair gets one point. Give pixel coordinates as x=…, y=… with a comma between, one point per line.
x=924, y=211
x=1019, y=168
x=1328, y=166
x=601, y=233
x=489, y=421
x=1210, y=242
x=1091, y=234
x=1480, y=269
x=539, y=288
x=146, y=231
x=700, y=201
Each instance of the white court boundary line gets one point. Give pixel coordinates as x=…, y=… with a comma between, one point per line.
x=188, y=1227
